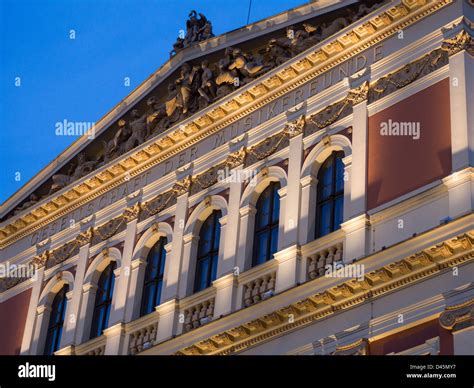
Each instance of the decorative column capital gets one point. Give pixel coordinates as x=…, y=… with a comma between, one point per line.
x=461, y=41
x=359, y=94
x=458, y=316
x=182, y=187
x=236, y=158
x=295, y=127
x=41, y=259
x=85, y=237
x=131, y=213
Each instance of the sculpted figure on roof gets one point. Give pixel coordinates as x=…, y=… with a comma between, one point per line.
x=197, y=30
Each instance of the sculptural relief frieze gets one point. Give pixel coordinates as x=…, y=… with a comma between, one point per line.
x=196, y=87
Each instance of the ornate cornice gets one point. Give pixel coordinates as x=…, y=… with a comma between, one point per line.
x=377, y=283
x=458, y=317
x=291, y=75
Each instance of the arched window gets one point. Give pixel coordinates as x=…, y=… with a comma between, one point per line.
x=208, y=252
x=56, y=322
x=266, y=224
x=153, y=284
x=330, y=196
x=103, y=301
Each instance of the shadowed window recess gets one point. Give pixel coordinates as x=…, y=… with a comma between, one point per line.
x=56, y=322
x=208, y=252
x=153, y=283
x=330, y=195
x=267, y=220
x=103, y=301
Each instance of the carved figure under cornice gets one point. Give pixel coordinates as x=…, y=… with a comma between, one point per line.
x=186, y=84
x=156, y=118
x=207, y=90
x=328, y=29
x=276, y=53
x=246, y=65
x=33, y=199
x=301, y=40
x=226, y=79
x=132, y=134
x=82, y=168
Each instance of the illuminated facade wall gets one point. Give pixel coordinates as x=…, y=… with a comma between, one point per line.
x=405, y=230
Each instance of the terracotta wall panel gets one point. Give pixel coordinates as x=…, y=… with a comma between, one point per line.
x=398, y=165
x=13, y=314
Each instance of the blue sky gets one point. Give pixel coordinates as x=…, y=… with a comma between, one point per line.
x=81, y=79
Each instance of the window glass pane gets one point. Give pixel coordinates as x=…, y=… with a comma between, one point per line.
x=214, y=267
x=325, y=215
x=261, y=248
x=274, y=242
x=158, y=293
x=338, y=212
x=201, y=274
x=325, y=179
x=217, y=234
x=263, y=209
x=339, y=174
x=276, y=205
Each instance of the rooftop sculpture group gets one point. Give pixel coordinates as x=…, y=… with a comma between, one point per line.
x=197, y=86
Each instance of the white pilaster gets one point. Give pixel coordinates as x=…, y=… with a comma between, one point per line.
x=174, y=273
x=358, y=169
x=247, y=225
x=232, y=229
x=137, y=272
x=122, y=284
x=186, y=281
x=31, y=317
x=87, y=307
x=38, y=341
x=293, y=197
x=70, y=334
x=308, y=203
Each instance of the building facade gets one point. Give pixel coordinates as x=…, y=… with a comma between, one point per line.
x=303, y=185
